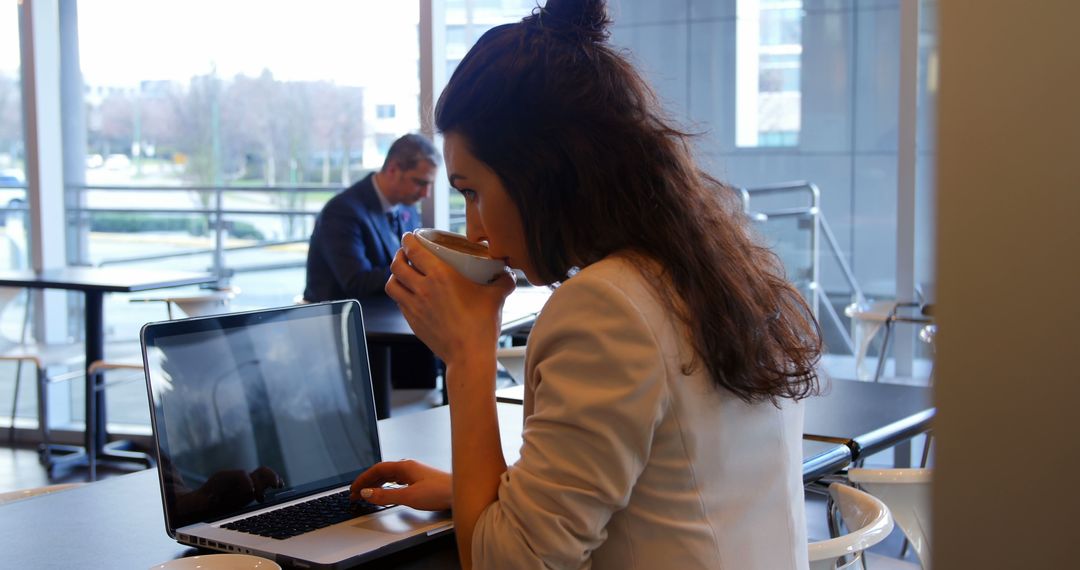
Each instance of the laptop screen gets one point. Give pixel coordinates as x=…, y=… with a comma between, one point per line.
x=253, y=409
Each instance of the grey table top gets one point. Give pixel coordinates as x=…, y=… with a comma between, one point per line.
x=118, y=522
x=865, y=416
x=104, y=279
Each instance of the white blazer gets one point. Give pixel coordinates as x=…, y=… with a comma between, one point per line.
x=629, y=463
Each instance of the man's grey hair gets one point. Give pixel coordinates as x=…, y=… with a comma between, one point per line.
x=409, y=150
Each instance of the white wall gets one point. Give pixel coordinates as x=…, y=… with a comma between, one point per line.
x=1008, y=386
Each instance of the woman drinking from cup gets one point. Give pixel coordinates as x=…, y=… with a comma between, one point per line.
x=662, y=417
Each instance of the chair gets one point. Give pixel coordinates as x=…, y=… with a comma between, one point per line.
x=8, y=296
x=907, y=494
x=885, y=314
x=868, y=522
x=866, y=321
x=213, y=302
x=12, y=496
x=39, y=355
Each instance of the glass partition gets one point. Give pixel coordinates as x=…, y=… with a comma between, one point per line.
x=217, y=130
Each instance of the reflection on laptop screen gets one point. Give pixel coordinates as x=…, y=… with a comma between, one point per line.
x=253, y=409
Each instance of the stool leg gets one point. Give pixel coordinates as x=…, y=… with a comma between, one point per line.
x=91, y=419
x=43, y=421
x=15, y=403
x=884, y=351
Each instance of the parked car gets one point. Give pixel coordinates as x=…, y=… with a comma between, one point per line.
x=12, y=192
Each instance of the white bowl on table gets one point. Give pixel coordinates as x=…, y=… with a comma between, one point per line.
x=219, y=562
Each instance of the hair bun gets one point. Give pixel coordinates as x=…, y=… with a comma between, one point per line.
x=587, y=19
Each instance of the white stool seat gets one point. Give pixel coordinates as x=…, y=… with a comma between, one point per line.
x=907, y=494
x=868, y=521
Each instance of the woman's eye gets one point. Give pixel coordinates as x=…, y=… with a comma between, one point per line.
x=469, y=195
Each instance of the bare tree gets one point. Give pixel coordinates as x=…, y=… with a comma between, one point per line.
x=197, y=112
x=117, y=122
x=10, y=113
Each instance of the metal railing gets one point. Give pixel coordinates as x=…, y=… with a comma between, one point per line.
x=819, y=228
x=216, y=215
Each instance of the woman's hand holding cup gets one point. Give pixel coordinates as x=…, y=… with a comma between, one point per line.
x=451, y=313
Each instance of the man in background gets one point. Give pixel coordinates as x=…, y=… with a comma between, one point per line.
x=354, y=241
x=358, y=231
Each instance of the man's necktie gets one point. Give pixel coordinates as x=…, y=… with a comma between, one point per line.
x=395, y=222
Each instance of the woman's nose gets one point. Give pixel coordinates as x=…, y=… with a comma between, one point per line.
x=474, y=231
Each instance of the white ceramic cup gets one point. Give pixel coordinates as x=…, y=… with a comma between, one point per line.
x=468, y=258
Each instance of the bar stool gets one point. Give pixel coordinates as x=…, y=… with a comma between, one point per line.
x=213, y=302
x=868, y=521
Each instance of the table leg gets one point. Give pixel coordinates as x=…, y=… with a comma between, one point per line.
x=94, y=342
x=97, y=446
x=902, y=454
x=93, y=434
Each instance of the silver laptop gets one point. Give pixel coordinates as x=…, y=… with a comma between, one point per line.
x=261, y=421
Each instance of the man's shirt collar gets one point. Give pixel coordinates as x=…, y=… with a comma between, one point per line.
x=387, y=207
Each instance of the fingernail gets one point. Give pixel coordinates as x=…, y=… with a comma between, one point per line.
x=366, y=493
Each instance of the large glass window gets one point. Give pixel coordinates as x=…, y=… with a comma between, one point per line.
x=225, y=126
x=264, y=117
x=768, y=63
x=13, y=250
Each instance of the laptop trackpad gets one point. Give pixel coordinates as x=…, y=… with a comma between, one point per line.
x=402, y=521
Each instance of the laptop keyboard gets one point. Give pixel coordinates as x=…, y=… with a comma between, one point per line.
x=304, y=517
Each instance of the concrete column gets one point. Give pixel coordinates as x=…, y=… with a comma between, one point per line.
x=436, y=207
x=39, y=33
x=73, y=128
x=904, y=346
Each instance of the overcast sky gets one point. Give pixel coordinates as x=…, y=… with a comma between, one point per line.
x=350, y=42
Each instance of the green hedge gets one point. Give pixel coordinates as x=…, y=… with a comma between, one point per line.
x=196, y=226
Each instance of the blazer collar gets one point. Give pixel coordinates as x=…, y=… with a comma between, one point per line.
x=367, y=193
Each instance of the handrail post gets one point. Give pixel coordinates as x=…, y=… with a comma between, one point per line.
x=219, y=237
x=745, y=195
x=815, y=253
x=819, y=230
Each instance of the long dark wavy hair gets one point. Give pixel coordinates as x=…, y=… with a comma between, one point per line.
x=594, y=166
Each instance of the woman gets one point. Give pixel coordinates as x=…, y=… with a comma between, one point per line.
x=662, y=421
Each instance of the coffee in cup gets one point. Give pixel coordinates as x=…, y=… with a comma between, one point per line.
x=467, y=258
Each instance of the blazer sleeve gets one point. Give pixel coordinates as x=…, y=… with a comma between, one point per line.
x=600, y=394
x=347, y=255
